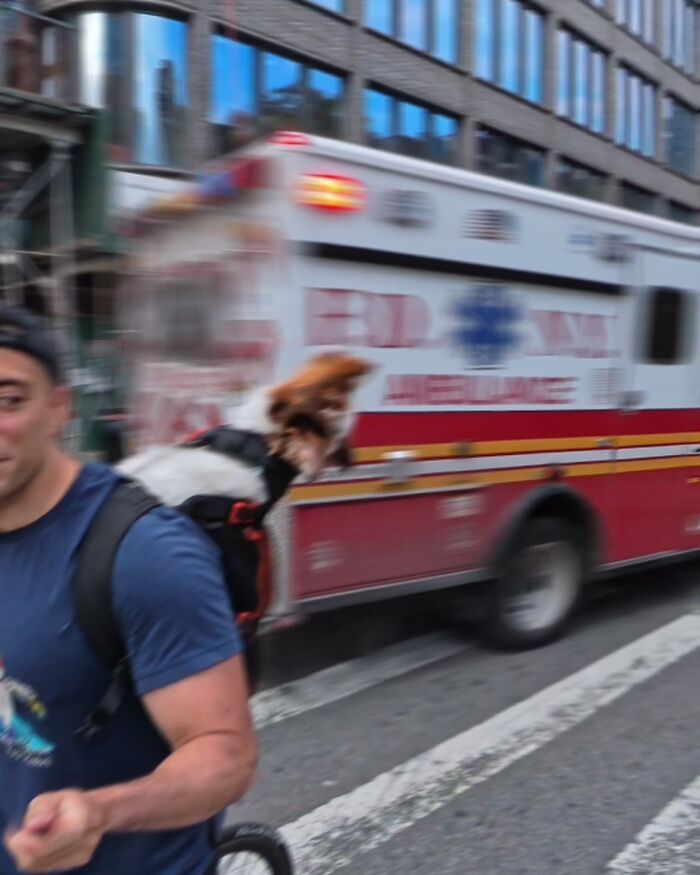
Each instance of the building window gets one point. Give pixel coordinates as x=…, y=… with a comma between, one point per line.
x=233, y=106
x=678, y=33
x=257, y=92
x=634, y=198
x=379, y=15
x=430, y=26
x=668, y=323
x=635, y=125
x=501, y=155
x=509, y=47
x=577, y=179
x=679, y=136
x=581, y=87
x=446, y=30
x=160, y=89
x=681, y=213
x=135, y=64
x=638, y=17
x=410, y=128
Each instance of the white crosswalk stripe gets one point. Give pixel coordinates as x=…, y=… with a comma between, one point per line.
x=351, y=677
x=330, y=836
x=670, y=844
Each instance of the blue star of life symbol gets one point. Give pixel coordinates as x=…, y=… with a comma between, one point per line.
x=487, y=325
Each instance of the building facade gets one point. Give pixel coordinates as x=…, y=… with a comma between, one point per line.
x=594, y=97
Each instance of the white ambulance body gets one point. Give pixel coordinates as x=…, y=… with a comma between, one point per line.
x=535, y=409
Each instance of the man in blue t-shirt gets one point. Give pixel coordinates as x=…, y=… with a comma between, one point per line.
x=143, y=795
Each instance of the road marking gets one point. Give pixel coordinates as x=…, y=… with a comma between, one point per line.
x=354, y=676
x=670, y=843
x=361, y=820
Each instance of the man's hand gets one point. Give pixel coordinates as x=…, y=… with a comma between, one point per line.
x=61, y=831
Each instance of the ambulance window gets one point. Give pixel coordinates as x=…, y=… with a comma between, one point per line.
x=669, y=314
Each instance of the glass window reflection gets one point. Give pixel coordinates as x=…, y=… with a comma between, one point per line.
x=379, y=121
x=281, y=96
x=634, y=198
x=678, y=26
x=430, y=26
x=678, y=21
x=445, y=131
x=598, y=86
x=581, y=86
x=534, y=41
x=563, y=66
x=414, y=23
x=510, y=46
x=379, y=15
x=621, y=105
x=690, y=23
x=324, y=103
x=634, y=86
x=333, y=5
x=577, y=179
x=92, y=36
x=413, y=129
x=409, y=128
x=160, y=89
x=635, y=124
x=446, y=29
x=501, y=155
x=233, y=101
x=649, y=121
x=580, y=82
x=255, y=92
x=485, y=39
x=649, y=20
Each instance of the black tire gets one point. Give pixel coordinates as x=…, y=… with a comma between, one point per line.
x=538, y=586
x=259, y=850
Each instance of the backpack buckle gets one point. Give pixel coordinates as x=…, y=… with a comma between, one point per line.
x=243, y=513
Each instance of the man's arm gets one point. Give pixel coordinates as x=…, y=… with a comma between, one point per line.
x=206, y=720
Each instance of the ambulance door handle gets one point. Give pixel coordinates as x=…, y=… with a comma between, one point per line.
x=397, y=465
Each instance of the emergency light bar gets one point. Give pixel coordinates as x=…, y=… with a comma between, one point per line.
x=331, y=193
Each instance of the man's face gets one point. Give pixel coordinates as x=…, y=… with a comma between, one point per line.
x=33, y=411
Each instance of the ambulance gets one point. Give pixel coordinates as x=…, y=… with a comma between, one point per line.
x=533, y=419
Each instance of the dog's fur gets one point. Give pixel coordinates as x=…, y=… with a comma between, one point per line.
x=305, y=420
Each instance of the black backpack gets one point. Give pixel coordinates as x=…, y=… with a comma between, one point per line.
x=236, y=526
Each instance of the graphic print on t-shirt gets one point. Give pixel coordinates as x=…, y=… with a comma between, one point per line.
x=17, y=737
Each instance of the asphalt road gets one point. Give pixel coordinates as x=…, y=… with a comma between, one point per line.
x=393, y=742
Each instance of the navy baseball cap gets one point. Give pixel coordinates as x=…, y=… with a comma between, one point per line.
x=24, y=331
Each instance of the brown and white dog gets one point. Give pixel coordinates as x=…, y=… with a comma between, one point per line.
x=304, y=420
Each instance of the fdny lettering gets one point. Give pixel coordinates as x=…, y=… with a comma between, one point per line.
x=453, y=389
x=340, y=317
x=347, y=317
x=576, y=335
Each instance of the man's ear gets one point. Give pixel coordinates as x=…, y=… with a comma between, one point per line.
x=61, y=407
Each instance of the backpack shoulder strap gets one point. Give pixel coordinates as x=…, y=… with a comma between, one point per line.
x=92, y=590
x=92, y=581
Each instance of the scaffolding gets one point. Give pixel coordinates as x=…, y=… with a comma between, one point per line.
x=38, y=138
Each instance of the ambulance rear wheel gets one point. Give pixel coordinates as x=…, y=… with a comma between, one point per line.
x=538, y=587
